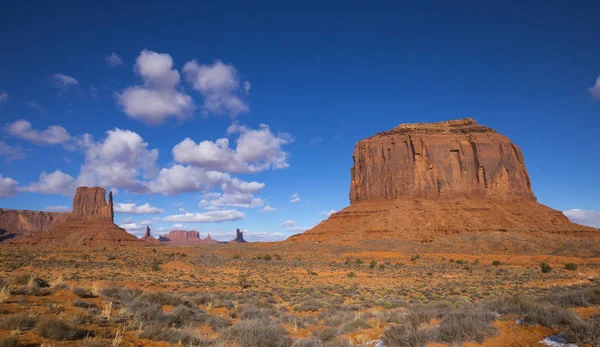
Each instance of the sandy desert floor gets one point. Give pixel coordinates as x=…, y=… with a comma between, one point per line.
x=467, y=290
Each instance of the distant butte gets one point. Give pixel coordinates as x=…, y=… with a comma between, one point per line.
x=427, y=180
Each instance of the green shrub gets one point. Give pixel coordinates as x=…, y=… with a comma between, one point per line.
x=571, y=266
x=496, y=263
x=19, y=322
x=415, y=257
x=9, y=341
x=155, y=265
x=372, y=264
x=545, y=267
x=351, y=274
x=251, y=333
x=267, y=257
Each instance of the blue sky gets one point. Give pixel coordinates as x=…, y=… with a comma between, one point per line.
x=225, y=111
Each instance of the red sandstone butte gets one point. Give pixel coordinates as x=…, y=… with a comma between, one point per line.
x=422, y=181
x=89, y=224
x=149, y=238
x=20, y=223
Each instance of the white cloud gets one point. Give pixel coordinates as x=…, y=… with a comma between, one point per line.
x=180, y=179
x=113, y=60
x=328, y=213
x=219, y=85
x=288, y=223
x=53, y=183
x=595, y=90
x=54, y=135
x=117, y=161
x=3, y=96
x=295, y=198
x=133, y=208
x=158, y=98
x=56, y=208
x=257, y=150
x=298, y=229
x=585, y=217
x=268, y=208
x=263, y=236
x=8, y=187
x=63, y=81
x=11, y=152
x=238, y=186
x=206, y=217
x=213, y=201
x=136, y=228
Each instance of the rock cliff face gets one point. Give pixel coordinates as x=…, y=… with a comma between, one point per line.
x=452, y=159
x=423, y=181
x=90, y=204
x=184, y=237
x=89, y=224
x=19, y=223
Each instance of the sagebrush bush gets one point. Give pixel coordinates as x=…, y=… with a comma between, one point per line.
x=18, y=322
x=9, y=341
x=58, y=330
x=257, y=332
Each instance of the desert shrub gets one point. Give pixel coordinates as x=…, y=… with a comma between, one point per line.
x=217, y=324
x=18, y=322
x=496, y=263
x=460, y=262
x=184, y=315
x=549, y=316
x=423, y=313
x=146, y=312
x=175, y=336
x=82, y=304
x=334, y=317
x=574, y=297
x=30, y=280
x=407, y=335
x=310, y=342
x=267, y=257
x=372, y=264
x=326, y=334
x=571, y=266
x=83, y=318
x=358, y=323
x=415, y=257
x=83, y=293
x=59, y=331
x=584, y=332
x=311, y=305
x=9, y=341
x=92, y=342
x=155, y=266
x=545, y=267
x=164, y=299
x=257, y=332
x=467, y=324
x=351, y=274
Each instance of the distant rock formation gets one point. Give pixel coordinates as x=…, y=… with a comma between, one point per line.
x=21, y=223
x=149, y=238
x=184, y=237
x=239, y=237
x=89, y=224
x=421, y=181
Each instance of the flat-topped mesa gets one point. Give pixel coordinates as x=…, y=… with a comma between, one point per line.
x=89, y=204
x=451, y=159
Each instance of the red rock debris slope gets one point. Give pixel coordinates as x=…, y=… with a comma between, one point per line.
x=19, y=223
x=419, y=181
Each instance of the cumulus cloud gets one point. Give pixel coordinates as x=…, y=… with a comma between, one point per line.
x=117, y=161
x=133, y=208
x=63, y=81
x=213, y=201
x=158, y=98
x=295, y=198
x=256, y=150
x=11, y=153
x=8, y=187
x=268, y=208
x=53, y=183
x=3, y=96
x=136, y=228
x=595, y=90
x=585, y=217
x=56, y=208
x=113, y=60
x=328, y=213
x=206, y=217
x=262, y=236
x=288, y=223
x=219, y=85
x=181, y=179
x=298, y=229
x=53, y=135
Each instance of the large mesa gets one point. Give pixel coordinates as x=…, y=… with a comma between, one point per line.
x=427, y=180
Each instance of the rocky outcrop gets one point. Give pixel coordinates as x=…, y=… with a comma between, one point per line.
x=184, y=237
x=453, y=159
x=89, y=224
x=89, y=204
x=19, y=223
x=149, y=238
x=239, y=237
x=423, y=181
